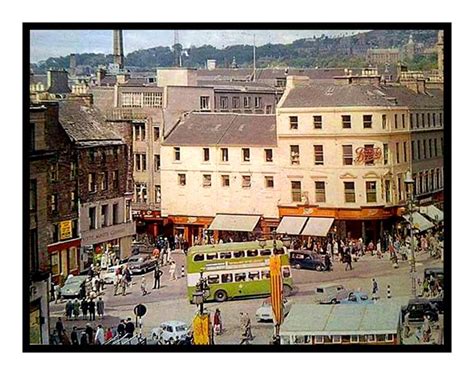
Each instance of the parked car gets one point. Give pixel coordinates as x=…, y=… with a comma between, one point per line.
x=264, y=312
x=356, y=298
x=141, y=263
x=306, y=259
x=109, y=275
x=170, y=332
x=418, y=308
x=75, y=287
x=331, y=293
x=437, y=273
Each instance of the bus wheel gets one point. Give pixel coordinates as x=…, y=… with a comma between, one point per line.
x=220, y=296
x=287, y=290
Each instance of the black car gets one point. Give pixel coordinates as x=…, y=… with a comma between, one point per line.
x=306, y=259
x=418, y=308
x=141, y=263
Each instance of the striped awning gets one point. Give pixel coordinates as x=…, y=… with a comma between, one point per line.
x=291, y=225
x=317, y=226
x=234, y=223
x=433, y=213
x=419, y=222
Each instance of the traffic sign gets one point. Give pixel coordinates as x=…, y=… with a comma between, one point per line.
x=139, y=310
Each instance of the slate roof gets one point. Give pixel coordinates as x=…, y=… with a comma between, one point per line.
x=86, y=126
x=224, y=129
x=358, y=95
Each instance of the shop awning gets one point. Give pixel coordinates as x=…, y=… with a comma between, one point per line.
x=433, y=213
x=291, y=225
x=234, y=223
x=419, y=222
x=317, y=226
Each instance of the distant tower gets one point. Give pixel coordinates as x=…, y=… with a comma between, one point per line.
x=72, y=64
x=177, y=49
x=440, y=47
x=118, y=48
x=410, y=48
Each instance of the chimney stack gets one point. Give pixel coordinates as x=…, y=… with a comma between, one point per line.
x=100, y=76
x=118, y=48
x=58, y=81
x=296, y=81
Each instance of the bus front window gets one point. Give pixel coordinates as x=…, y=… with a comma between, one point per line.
x=199, y=257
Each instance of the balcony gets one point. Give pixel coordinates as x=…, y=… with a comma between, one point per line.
x=125, y=114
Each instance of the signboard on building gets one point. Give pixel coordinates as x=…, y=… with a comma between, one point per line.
x=97, y=236
x=65, y=230
x=368, y=154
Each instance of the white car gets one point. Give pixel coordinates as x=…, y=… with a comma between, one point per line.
x=264, y=312
x=170, y=332
x=109, y=275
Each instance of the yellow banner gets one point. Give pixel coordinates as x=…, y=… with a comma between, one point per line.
x=276, y=283
x=201, y=330
x=65, y=230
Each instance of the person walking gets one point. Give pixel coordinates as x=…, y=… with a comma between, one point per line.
x=84, y=340
x=121, y=328
x=217, y=322
x=59, y=327
x=327, y=262
x=244, y=330
x=100, y=308
x=426, y=329
x=90, y=334
x=375, y=289
x=74, y=337
x=123, y=284
x=84, y=308
x=172, y=270
x=143, y=286
x=129, y=328
x=348, y=259
x=156, y=276
x=69, y=308
x=91, y=309
x=76, y=309
x=99, y=335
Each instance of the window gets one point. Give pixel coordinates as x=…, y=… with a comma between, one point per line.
x=384, y=121
x=268, y=155
x=139, y=132
x=399, y=188
x=224, y=154
x=346, y=121
x=403, y=120
x=181, y=179
x=246, y=181
x=204, y=102
x=388, y=191
x=153, y=99
x=318, y=122
x=225, y=180
x=239, y=254
x=423, y=120
x=235, y=102
x=157, y=160
x=385, y=154
x=286, y=272
x=247, y=101
x=269, y=182
x=55, y=232
x=397, y=151
x=428, y=117
x=258, y=102
x=115, y=214
x=411, y=120
x=424, y=149
x=92, y=182
x=412, y=150
x=436, y=147
x=419, y=149
x=417, y=117
x=73, y=174
x=370, y=338
x=115, y=180
x=389, y=337
x=199, y=257
x=369, y=150
x=104, y=181
x=336, y=339
x=92, y=217
x=103, y=157
x=73, y=200
x=104, y=213
x=296, y=191
x=320, y=188
x=206, y=180
x=367, y=121
x=371, y=191
x=252, y=253
x=156, y=133
x=55, y=264
x=226, y=278
x=32, y=136
x=254, y=275
x=213, y=279
x=295, y=154
x=318, y=155
x=347, y=158
x=211, y=256
x=157, y=193
x=430, y=145
x=441, y=119
x=128, y=210
x=294, y=122
x=349, y=192
x=265, y=252
x=53, y=172
x=72, y=258
x=33, y=195
x=396, y=121
x=224, y=102
x=281, y=82
x=140, y=162
x=268, y=109
x=404, y=152
x=132, y=99
x=245, y=154
x=177, y=154
x=266, y=274
x=205, y=154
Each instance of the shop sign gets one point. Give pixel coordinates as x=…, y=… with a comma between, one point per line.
x=65, y=230
x=368, y=154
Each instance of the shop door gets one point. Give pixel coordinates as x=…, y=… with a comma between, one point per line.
x=64, y=263
x=35, y=325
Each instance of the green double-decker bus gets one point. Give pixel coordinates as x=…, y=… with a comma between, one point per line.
x=236, y=269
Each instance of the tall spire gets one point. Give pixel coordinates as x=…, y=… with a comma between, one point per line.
x=118, y=48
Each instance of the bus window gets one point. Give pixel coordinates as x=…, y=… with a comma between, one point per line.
x=226, y=277
x=240, y=276
x=252, y=253
x=239, y=254
x=254, y=275
x=213, y=279
x=226, y=255
x=211, y=256
x=278, y=251
x=265, y=252
x=286, y=272
x=199, y=257
x=266, y=274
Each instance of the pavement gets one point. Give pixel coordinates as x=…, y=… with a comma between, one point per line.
x=170, y=301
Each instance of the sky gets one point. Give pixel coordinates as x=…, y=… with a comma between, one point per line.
x=55, y=43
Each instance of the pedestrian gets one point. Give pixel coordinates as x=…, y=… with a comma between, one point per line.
x=123, y=284
x=243, y=329
x=129, y=328
x=348, y=260
x=426, y=286
x=143, y=286
x=76, y=308
x=327, y=262
x=65, y=339
x=379, y=249
x=91, y=309
x=426, y=329
x=217, y=322
x=108, y=334
x=99, y=335
x=406, y=324
x=57, y=293
x=90, y=334
x=74, y=337
x=59, y=327
x=172, y=270
x=389, y=292
x=69, y=308
x=84, y=339
x=84, y=308
x=121, y=328
x=156, y=276
x=375, y=289
x=100, y=308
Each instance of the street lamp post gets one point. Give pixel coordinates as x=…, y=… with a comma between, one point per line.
x=409, y=183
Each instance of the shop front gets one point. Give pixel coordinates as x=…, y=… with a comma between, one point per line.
x=39, y=309
x=149, y=222
x=64, y=259
x=190, y=228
